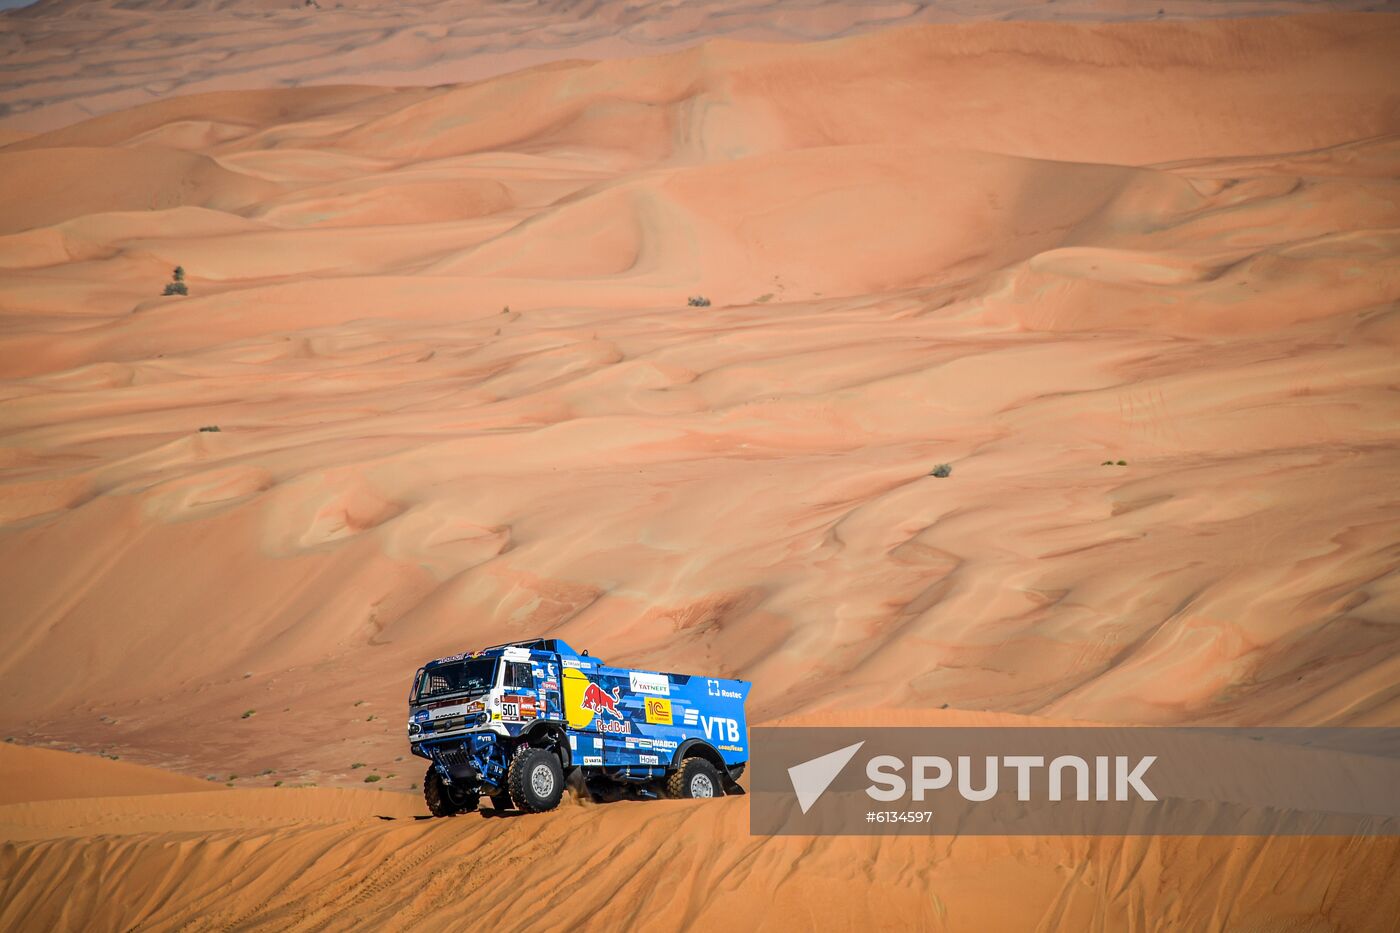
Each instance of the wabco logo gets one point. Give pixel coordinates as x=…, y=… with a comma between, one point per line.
x=1102, y=778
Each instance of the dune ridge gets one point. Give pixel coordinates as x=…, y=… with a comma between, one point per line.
x=72, y=59
x=325, y=859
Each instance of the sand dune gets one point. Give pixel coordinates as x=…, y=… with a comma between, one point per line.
x=404, y=467
x=34, y=774
x=461, y=398
x=78, y=58
x=309, y=858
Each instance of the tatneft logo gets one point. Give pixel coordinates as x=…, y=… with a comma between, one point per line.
x=1099, y=778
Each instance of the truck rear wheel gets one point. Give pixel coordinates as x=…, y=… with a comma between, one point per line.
x=695, y=778
x=440, y=798
x=535, y=779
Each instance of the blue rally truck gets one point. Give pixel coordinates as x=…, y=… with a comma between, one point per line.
x=512, y=722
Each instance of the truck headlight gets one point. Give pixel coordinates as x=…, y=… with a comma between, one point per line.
x=414, y=728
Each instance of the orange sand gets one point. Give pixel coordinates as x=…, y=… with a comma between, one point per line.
x=72, y=59
x=328, y=859
x=1019, y=248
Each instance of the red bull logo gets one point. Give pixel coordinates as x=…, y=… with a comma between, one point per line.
x=595, y=699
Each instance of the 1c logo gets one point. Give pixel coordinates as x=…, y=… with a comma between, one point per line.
x=658, y=711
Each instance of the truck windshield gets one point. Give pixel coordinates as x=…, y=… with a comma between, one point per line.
x=475, y=675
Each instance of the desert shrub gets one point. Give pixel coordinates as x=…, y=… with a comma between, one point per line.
x=176, y=285
x=371, y=778
x=249, y=713
x=942, y=471
x=209, y=429
x=698, y=301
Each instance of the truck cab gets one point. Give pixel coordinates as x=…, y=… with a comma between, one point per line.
x=512, y=722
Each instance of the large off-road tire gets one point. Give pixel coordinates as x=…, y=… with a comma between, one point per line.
x=696, y=777
x=440, y=798
x=535, y=780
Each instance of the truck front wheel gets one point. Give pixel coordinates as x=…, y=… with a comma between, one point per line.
x=696, y=777
x=440, y=798
x=535, y=779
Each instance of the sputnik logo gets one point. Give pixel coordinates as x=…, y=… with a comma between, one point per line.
x=811, y=778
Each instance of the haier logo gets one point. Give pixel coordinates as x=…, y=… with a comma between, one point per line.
x=718, y=729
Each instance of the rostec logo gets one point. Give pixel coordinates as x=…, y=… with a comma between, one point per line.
x=713, y=688
x=1115, y=778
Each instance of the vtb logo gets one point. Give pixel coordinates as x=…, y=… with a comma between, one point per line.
x=720, y=729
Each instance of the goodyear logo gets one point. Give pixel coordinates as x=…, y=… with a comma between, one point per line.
x=658, y=711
